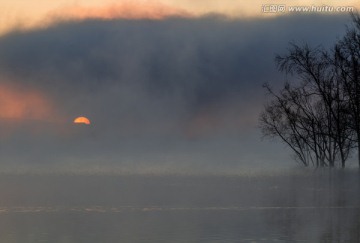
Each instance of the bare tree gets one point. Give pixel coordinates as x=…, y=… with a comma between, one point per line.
x=295, y=124
x=346, y=62
x=310, y=114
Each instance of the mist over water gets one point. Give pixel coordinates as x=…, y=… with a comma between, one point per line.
x=180, y=95
x=173, y=153
x=315, y=206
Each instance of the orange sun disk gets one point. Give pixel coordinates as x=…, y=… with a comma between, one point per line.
x=82, y=120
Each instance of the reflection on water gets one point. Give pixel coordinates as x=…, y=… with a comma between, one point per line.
x=315, y=207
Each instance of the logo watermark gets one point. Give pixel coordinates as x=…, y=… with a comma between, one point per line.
x=282, y=8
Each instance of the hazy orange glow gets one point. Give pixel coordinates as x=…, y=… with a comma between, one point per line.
x=36, y=14
x=127, y=10
x=16, y=103
x=82, y=120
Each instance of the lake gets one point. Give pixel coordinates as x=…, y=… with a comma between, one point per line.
x=310, y=206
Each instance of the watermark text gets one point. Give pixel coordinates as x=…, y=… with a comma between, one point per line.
x=283, y=8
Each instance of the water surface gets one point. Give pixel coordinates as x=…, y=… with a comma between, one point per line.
x=298, y=207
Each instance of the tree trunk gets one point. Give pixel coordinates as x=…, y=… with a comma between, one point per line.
x=359, y=155
x=358, y=144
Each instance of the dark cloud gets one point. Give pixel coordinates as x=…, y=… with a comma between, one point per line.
x=174, y=80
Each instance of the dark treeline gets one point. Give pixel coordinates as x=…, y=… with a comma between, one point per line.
x=317, y=112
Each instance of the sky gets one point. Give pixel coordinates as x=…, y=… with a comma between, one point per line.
x=42, y=13
x=169, y=86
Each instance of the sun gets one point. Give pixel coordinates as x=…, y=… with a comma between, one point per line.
x=82, y=120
